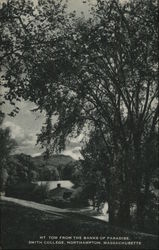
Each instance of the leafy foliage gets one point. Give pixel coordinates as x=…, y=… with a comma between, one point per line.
x=7, y=144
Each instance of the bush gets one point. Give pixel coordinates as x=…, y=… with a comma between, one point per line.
x=28, y=191
x=40, y=193
x=151, y=215
x=78, y=198
x=22, y=191
x=57, y=202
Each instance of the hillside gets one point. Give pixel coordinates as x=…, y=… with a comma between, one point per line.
x=54, y=160
x=24, y=168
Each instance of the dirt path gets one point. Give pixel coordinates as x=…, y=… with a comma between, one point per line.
x=60, y=213
x=55, y=210
x=38, y=206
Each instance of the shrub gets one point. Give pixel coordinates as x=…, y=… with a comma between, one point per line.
x=22, y=191
x=40, y=193
x=28, y=191
x=57, y=202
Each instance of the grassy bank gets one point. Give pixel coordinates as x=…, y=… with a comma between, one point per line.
x=22, y=227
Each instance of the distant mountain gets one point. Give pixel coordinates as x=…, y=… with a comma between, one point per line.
x=54, y=160
x=23, y=168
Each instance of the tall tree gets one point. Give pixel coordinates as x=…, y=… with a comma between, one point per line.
x=95, y=169
x=6, y=145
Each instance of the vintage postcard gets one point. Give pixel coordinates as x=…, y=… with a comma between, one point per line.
x=79, y=124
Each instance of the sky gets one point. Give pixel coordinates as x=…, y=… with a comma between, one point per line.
x=26, y=125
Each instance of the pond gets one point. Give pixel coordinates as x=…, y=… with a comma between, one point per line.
x=103, y=215
x=53, y=184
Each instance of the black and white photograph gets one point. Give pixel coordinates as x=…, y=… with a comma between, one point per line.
x=79, y=124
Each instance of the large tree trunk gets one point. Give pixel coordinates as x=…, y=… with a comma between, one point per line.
x=111, y=211
x=142, y=199
x=111, y=201
x=124, y=218
x=138, y=183
x=140, y=211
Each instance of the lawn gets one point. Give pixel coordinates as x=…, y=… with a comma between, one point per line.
x=27, y=228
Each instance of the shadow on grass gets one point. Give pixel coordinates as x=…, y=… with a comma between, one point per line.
x=19, y=225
